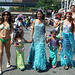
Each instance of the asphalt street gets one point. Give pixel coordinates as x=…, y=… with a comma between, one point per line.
x=59, y=70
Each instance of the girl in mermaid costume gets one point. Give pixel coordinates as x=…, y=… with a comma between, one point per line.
x=19, y=44
x=54, y=43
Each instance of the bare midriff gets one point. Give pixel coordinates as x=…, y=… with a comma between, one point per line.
x=4, y=34
x=73, y=16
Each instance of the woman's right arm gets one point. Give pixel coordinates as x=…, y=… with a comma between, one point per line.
x=32, y=31
x=61, y=32
x=57, y=24
x=15, y=44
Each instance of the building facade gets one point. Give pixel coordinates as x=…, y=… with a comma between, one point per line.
x=65, y=4
x=19, y=1
x=25, y=1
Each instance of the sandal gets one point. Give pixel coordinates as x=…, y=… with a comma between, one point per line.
x=66, y=67
x=0, y=72
x=54, y=67
x=22, y=69
x=8, y=65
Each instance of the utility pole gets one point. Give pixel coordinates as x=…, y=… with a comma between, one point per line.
x=5, y=0
x=67, y=4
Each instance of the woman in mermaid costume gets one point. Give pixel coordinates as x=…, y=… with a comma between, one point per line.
x=37, y=55
x=66, y=35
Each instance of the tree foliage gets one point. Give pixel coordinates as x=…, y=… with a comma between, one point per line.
x=2, y=9
x=21, y=9
x=49, y=4
x=16, y=9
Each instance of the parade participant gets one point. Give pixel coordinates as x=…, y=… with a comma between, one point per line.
x=27, y=22
x=58, y=23
x=66, y=32
x=73, y=16
x=19, y=44
x=54, y=44
x=20, y=24
x=37, y=55
x=6, y=27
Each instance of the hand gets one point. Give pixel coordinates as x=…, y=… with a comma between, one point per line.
x=31, y=40
x=61, y=37
x=22, y=49
x=58, y=53
x=53, y=50
x=18, y=45
x=60, y=48
x=11, y=42
x=58, y=22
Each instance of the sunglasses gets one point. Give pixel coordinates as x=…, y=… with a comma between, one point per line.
x=62, y=17
x=5, y=14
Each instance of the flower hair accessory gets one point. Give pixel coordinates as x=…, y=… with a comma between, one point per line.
x=49, y=35
x=17, y=43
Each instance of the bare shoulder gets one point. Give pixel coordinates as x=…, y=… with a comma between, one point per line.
x=12, y=24
x=65, y=21
x=45, y=22
x=34, y=20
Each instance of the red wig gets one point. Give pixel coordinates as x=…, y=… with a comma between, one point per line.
x=72, y=25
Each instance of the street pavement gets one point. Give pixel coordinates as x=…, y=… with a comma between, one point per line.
x=28, y=68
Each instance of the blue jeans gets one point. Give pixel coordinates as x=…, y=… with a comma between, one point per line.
x=15, y=30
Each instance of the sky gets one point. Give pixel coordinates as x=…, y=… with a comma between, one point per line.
x=6, y=7
x=6, y=0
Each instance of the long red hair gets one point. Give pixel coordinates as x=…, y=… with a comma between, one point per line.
x=72, y=25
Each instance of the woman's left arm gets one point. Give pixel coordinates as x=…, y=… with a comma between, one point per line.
x=45, y=30
x=12, y=34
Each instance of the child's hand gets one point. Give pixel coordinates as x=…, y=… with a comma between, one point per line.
x=61, y=37
x=53, y=50
x=59, y=50
x=18, y=45
x=49, y=38
x=58, y=53
x=22, y=49
x=46, y=41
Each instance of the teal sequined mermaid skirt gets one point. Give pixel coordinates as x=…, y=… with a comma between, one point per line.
x=37, y=56
x=66, y=52
x=53, y=56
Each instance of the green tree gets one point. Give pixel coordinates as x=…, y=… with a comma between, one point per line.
x=49, y=4
x=19, y=9
x=16, y=9
x=2, y=9
x=11, y=9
